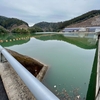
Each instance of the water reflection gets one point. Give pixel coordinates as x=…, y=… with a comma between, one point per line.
x=92, y=83
x=86, y=43
x=10, y=40
x=81, y=34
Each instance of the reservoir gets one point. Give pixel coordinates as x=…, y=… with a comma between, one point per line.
x=69, y=59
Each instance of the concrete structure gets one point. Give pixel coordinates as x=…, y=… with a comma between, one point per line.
x=97, y=93
x=14, y=86
x=97, y=30
x=20, y=84
x=70, y=29
x=82, y=29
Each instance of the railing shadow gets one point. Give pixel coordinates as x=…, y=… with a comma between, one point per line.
x=92, y=83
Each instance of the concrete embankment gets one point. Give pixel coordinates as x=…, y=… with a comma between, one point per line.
x=97, y=93
x=14, y=86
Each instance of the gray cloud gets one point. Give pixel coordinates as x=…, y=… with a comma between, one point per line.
x=33, y=11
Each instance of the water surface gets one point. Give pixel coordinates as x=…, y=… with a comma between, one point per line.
x=70, y=66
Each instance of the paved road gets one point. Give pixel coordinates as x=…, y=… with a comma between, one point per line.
x=3, y=95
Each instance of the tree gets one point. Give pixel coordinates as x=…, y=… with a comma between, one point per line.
x=35, y=29
x=20, y=31
x=3, y=30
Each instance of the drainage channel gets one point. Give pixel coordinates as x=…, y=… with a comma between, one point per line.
x=3, y=95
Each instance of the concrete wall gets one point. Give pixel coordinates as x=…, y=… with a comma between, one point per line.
x=14, y=86
x=97, y=93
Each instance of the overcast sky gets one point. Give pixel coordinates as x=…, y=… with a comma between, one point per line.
x=34, y=11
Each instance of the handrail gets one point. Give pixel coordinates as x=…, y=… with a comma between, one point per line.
x=35, y=86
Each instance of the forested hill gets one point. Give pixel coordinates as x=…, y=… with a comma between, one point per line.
x=8, y=23
x=48, y=27
x=81, y=18
x=14, y=25
x=60, y=25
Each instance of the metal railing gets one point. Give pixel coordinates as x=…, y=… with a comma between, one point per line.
x=35, y=86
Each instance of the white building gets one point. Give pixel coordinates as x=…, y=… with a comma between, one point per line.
x=83, y=29
x=97, y=30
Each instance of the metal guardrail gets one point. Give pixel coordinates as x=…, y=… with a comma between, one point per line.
x=35, y=86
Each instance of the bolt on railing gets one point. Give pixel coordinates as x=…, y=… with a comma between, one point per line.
x=40, y=91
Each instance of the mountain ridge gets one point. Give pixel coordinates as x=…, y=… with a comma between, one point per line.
x=91, y=18
x=69, y=23
x=91, y=22
x=9, y=23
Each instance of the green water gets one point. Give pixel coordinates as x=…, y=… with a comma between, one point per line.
x=69, y=63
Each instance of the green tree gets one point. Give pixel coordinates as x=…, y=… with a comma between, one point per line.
x=3, y=31
x=35, y=29
x=20, y=31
